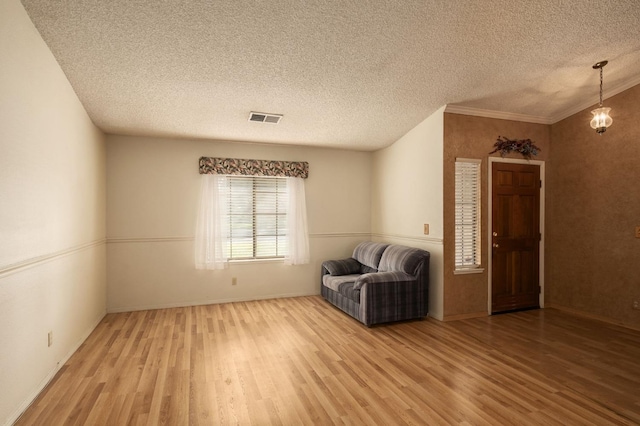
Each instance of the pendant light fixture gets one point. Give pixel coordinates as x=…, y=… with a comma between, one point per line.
x=601, y=119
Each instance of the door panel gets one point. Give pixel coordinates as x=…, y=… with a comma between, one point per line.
x=515, y=236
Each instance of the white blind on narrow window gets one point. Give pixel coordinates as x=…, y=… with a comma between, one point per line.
x=257, y=217
x=467, y=213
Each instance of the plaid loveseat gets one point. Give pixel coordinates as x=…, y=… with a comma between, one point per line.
x=380, y=283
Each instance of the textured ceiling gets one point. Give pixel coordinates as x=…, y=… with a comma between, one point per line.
x=354, y=74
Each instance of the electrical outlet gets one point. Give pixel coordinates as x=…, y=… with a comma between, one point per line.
x=426, y=229
x=49, y=339
x=636, y=304
x=234, y=281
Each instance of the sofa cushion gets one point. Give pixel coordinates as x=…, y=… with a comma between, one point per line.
x=401, y=258
x=334, y=282
x=369, y=254
x=342, y=267
x=394, y=277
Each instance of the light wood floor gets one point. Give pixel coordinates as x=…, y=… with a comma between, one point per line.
x=301, y=361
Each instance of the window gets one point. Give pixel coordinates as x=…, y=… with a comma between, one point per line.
x=467, y=215
x=257, y=209
x=245, y=217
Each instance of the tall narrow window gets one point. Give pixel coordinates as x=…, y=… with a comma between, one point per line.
x=257, y=217
x=467, y=214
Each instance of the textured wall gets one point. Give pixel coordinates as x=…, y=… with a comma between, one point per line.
x=593, y=208
x=153, y=190
x=473, y=137
x=52, y=215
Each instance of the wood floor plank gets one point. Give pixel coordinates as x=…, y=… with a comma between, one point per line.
x=301, y=361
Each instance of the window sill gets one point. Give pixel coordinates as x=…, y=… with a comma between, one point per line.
x=256, y=261
x=468, y=271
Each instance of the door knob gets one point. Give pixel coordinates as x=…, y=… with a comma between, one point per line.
x=496, y=245
x=495, y=234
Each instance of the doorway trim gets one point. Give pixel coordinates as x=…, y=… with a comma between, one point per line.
x=541, y=164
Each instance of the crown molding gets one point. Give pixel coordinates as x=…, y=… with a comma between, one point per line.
x=587, y=105
x=502, y=115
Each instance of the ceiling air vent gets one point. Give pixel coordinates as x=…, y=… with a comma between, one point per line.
x=263, y=117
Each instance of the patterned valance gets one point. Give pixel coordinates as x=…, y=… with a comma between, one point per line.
x=238, y=166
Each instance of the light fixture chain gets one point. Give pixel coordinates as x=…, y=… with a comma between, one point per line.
x=601, y=86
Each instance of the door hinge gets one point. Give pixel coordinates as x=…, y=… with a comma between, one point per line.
x=540, y=183
x=539, y=289
x=539, y=236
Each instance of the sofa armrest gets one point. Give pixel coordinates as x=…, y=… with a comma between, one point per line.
x=391, y=296
x=384, y=277
x=341, y=267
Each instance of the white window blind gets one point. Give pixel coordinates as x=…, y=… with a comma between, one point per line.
x=467, y=214
x=257, y=217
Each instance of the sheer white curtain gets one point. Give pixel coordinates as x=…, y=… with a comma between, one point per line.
x=212, y=230
x=297, y=232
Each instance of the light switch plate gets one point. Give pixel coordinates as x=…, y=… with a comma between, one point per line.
x=426, y=229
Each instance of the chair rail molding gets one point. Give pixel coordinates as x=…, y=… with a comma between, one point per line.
x=48, y=257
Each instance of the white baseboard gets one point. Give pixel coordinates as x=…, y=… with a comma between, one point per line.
x=205, y=302
x=43, y=384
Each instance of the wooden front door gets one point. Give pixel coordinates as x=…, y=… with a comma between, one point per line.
x=515, y=237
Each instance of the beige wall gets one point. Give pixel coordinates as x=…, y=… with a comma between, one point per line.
x=153, y=189
x=407, y=193
x=52, y=215
x=53, y=191
x=473, y=137
x=594, y=207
